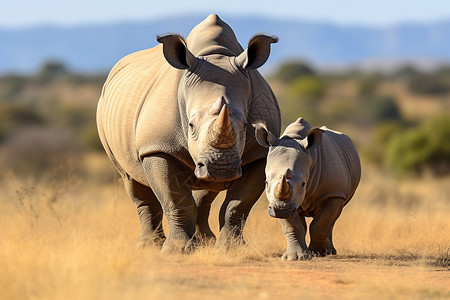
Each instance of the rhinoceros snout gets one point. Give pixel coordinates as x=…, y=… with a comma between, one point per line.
x=205, y=170
x=282, y=213
x=200, y=170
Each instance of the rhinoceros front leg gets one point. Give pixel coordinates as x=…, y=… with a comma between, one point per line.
x=321, y=227
x=240, y=198
x=294, y=229
x=149, y=210
x=203, y=200
x=168, y=179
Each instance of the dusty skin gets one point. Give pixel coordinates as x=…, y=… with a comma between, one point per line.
x=77, y=241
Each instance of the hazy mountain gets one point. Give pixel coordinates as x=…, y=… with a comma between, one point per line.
x=97, y=48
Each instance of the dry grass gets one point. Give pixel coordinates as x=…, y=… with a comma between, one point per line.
x=76, y=240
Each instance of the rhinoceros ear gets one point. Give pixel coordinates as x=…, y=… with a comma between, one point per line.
x=257, y=53
x=263, y=136
x=176, y=52
x=313, y=139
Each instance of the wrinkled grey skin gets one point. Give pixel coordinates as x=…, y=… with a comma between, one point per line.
x=310, y=172
x=173, y=121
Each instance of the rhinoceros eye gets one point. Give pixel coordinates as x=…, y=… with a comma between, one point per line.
x=192, y=121
x=193, y=130
x=303, y=184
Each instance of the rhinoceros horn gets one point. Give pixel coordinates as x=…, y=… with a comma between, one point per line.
x=220, y=132
x=283, y=190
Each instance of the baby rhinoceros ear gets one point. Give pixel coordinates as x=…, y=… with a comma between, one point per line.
x=313, y=139
x=263, y=136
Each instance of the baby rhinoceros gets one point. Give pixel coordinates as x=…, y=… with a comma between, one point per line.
x=310, y=172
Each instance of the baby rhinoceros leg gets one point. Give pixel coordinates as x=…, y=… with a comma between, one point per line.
x=321, y=227
x=294, y=229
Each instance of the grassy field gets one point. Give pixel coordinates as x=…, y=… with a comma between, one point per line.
x=73, y=238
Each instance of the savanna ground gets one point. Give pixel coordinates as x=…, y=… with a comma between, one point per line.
x=75, y=239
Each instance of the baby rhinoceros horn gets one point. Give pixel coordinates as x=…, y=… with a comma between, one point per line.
x=220, y=132
x=283, y=190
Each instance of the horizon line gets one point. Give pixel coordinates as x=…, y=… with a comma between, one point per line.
x=287, y=19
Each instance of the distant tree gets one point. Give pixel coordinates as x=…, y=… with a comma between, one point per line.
x=367, y=85
x=386, y=109
x=429, y=84
x=51, y=70
x=380, y=109
x=309, y=87
x=383, y=133
x=292, y=70
x=14, y=117
x=406, y=72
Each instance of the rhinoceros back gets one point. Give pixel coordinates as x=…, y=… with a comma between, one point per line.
x=339, y=164
x=137, y=110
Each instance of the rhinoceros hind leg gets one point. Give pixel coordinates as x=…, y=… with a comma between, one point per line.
x=149, y=210
x=322, y=226
x=169, y=181
x=241, y=196
x=203, y=200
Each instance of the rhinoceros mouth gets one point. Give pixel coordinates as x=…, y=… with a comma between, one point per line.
x=282, y=213
x=218, y=166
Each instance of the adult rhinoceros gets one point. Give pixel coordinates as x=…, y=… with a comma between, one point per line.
x=173, y=121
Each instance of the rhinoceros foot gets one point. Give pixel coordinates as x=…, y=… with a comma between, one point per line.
x=295, y=253
x=205, y=237
x=179, y=244
x=330, y=251
x=230, y=240
x=192, y=244
x=149, y=241
x=183, y=246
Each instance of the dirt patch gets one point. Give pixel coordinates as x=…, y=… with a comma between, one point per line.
x=337, y=277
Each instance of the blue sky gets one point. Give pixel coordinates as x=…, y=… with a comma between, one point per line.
x=26, y=13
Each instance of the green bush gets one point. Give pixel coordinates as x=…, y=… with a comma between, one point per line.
x=382, y=134
x=367, y=85
x=380, y=109
x=11, y=87
x=426, y=147
x=16, y=116
x=292, y=70
x=306, y=87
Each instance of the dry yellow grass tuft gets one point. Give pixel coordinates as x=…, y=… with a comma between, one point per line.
x=76, y=240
